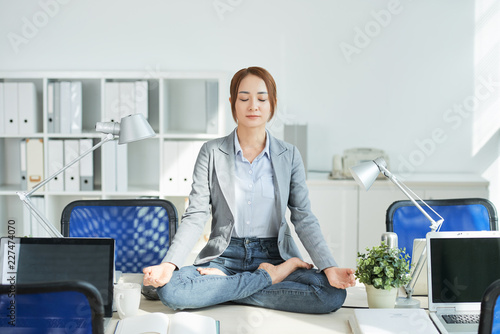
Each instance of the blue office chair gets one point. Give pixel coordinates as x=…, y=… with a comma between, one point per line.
x=142, y=228
x=462, y=214
x=51, y=307
x=489, y=320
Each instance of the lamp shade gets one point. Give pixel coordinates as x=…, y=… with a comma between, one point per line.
x=134, y=127
x=365, y=173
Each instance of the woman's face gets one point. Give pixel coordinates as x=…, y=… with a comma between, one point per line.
x=252, y=105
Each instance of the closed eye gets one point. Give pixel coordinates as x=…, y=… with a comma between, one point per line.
x=244, y=100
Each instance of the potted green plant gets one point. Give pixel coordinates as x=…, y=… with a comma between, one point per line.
x=383, y=270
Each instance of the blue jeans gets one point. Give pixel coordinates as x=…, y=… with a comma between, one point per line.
x=303, y=291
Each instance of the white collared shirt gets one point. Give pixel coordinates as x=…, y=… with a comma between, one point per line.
x=256, y=212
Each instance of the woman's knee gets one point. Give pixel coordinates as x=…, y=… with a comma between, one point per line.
x=334, y=300
x=169, y=298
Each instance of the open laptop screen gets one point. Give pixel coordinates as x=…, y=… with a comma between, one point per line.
x=462, y=268
x=61, y=259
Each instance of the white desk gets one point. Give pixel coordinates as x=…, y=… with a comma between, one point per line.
x=236, y=319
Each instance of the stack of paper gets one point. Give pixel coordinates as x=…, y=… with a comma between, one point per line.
x=388, y=321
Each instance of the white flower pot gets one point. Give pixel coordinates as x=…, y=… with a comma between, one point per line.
x=381, y=298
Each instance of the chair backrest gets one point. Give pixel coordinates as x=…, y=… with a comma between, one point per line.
x=489, y=321
x=51, y=307
x=461, y=214
x=142, y=228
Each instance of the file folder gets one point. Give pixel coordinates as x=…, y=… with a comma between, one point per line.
x=71, y=174
x=57, y=107
x=121, y=168
x=56, y=162
x=23, y=164
x=141, y=98
x=36, y=229
x=27, y=225
x=86, y=166
x=34, y=162
x=127, y=99
x=65, y=107
x=109, y=164
x=171, y=163
x=27, y=107
x=2, y=110
x=188, y=152
x=11, y=120
x=76, y=107
x=112, y=102
x=50, y=107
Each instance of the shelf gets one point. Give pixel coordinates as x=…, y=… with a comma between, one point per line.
x=181, y=107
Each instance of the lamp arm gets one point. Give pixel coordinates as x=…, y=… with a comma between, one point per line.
x=434, y=225
x=409, y=288
x=51, y=230
x=25, y=196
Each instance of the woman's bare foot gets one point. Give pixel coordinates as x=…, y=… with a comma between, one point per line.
x=280, y=272
x=211, y=271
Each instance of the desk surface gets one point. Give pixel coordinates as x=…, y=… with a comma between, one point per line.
x=248, y=319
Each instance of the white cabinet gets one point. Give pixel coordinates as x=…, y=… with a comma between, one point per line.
x=184, y=109
x=353, y=219
x=337, y=211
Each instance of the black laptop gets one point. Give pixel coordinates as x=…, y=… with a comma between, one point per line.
x=60, y=259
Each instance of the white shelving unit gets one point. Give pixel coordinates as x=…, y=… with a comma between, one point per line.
x=183, y=108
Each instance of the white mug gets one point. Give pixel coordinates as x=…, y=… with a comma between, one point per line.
x=127, y=299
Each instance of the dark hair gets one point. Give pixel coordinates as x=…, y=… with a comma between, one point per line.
x=258, y=72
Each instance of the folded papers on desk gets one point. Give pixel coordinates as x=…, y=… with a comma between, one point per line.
x=179, y=323
x=387, y=321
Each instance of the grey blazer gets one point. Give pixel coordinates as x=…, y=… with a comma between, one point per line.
x=213, y=192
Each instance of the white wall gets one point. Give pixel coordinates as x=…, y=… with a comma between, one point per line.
x=405, y=65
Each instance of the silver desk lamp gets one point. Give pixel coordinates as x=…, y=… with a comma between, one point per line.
x=365, y=174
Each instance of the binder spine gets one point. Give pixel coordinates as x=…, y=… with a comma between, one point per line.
x=2, y=110
x=65, y=107
x=23, y=164
x=50, y=107
x=27, y=106
x=86, y=166
x=11, y=121
x=76, y=107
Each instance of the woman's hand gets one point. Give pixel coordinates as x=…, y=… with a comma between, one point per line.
x=340, y=278
x=158, y=275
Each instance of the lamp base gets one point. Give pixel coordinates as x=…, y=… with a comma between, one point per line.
x=405, y=302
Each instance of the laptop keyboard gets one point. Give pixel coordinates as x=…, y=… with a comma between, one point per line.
x=461, y=318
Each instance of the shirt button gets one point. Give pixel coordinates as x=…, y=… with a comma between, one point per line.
x=249, y=202
x=250, y=172
x=250, y=186
x=248, y=222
